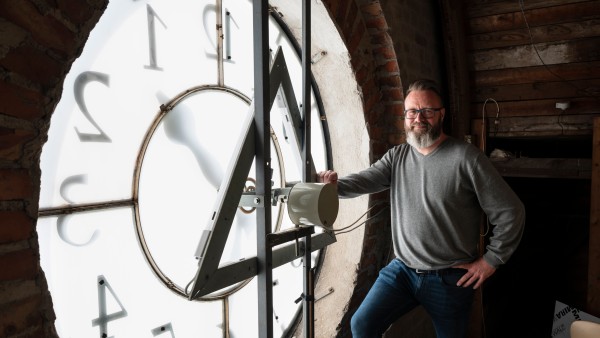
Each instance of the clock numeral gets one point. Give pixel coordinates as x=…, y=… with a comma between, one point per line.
x=209, y=9
x=103, y=317
x=227, y=34
x=80, y=82
x=162, y=330
x=151, y=15
x=71, y=180
x=211, y=34
x=62, y=220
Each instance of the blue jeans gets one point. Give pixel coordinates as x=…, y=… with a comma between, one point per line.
x=399, y=289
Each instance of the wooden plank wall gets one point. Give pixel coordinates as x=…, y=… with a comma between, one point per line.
x=593, y=297
x=528, y=55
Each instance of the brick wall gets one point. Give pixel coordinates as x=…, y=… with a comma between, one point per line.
x=38, y=42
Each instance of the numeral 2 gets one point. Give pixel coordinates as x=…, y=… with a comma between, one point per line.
x=80, y=82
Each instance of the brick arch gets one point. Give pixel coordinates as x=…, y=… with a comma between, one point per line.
x=364, y=29
x=40, y=42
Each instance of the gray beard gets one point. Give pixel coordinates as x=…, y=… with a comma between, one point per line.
x=424, y=140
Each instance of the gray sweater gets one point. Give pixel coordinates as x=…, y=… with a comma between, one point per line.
x=436, y=204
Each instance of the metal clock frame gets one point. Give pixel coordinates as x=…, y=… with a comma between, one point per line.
x=210, y=276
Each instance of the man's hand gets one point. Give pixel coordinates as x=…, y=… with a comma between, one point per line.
x=477, y=272
x=328, y=176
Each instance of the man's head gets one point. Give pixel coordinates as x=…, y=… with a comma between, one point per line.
x=423, y=114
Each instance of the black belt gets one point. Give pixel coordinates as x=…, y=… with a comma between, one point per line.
x=438, y=272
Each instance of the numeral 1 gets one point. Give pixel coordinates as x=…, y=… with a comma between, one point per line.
x=151, y=14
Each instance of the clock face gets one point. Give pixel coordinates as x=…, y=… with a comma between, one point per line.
x=138, y=149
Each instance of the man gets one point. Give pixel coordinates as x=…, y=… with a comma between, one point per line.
x=439, y=187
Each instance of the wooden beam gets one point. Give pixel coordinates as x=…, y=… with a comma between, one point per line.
x=579, y=50
x=593, y=294
x=543, y=34
x=571, y=168
x=543, y=126
x=511, y=76
x=560, y=90
x=578, y=106
x=457, y=68
x=535, y=17
x=477, y=8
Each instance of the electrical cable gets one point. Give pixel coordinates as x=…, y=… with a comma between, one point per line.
x=368, y=220
x=484, y=131
x=355, y=225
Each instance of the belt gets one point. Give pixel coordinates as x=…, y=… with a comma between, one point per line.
x=438, y=272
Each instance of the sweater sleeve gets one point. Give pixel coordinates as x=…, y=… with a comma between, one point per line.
x=504, y=210
x=374, y=179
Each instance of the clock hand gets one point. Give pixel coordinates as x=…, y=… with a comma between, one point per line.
x=179, y=127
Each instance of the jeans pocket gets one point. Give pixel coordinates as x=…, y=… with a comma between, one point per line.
x=451, y=277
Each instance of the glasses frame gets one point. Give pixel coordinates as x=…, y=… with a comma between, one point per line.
x=423, y=111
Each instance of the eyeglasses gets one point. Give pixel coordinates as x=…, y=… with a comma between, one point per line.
x=427, y=113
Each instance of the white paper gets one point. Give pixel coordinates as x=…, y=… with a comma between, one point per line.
x=564, y=315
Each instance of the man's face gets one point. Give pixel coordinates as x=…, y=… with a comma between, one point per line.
x=422, y=132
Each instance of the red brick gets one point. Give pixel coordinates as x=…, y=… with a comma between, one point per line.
x=393, y=80
x=15, y=184
x=33, y=64
x=15, y=226
x=373, y=8
x=80, y=12
x=18, y=265
x=393, y=94
x=44, y=29
x=362, y=74
x=21, y=102
x=378, y=23
x=390, y=66
x=11, y=142
x=381, y=39
x=20, y=317
x=386, y=52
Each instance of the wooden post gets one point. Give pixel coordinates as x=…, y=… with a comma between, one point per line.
x=593, y=294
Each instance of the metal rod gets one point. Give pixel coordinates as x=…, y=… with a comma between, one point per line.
x=289, y=235
x=308, y=304
x=220, y=37
x=74, y=208
x=309, y=288
x=263, y=176
x=306, y=92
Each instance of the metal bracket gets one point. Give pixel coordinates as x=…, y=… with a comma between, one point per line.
x=252, y=200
